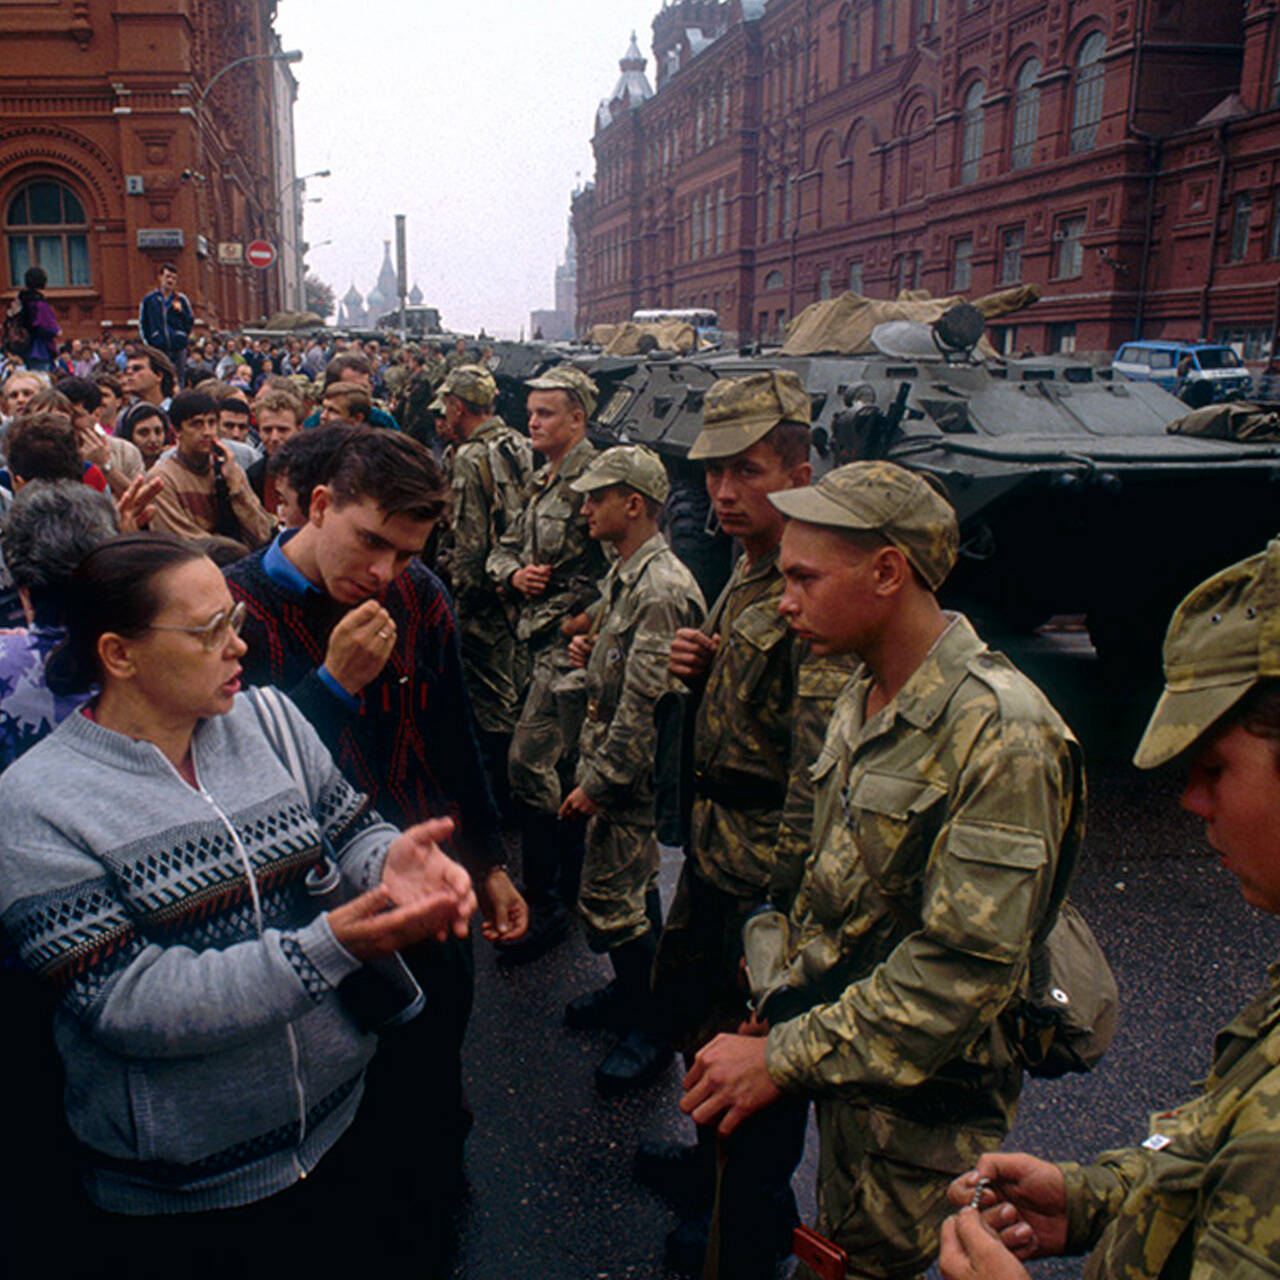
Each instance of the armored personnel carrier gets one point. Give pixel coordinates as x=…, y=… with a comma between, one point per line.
x=1073, y=497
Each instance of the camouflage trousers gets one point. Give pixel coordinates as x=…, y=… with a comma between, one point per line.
x=882, y=1186
x=540, y=752
x=493, y=667
x=619, y=868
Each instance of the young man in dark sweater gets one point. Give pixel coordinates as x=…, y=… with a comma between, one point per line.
x=344, y=618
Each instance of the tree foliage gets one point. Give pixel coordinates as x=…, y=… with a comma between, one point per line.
x=319, y=296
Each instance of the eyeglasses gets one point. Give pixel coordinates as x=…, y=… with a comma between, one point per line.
x=214, y=632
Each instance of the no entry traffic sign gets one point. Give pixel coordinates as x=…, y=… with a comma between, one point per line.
x=260, y=253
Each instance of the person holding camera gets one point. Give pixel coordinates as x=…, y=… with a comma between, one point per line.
x=205, y=491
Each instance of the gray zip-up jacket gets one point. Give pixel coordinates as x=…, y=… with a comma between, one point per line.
x=209, y=1060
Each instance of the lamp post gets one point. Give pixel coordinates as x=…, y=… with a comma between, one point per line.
x=300, y=298
x=197, y=112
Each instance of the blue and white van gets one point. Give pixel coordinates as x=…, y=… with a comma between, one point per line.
x=1173, y=365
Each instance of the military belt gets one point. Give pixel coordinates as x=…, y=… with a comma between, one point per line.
x=744, y=791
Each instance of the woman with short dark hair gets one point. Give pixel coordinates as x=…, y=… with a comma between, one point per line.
x=162, y=887
x=147, y=427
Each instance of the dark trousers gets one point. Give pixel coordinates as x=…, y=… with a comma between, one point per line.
x=755, y=1212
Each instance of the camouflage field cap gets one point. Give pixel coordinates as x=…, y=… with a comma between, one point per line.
x=568, y=377
x=739, y=411
x=470, y=382
x=629, y=464
x=883, y=498
x=1223, y=639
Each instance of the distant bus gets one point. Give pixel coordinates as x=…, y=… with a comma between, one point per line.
x=706, y=322
x=419, y=320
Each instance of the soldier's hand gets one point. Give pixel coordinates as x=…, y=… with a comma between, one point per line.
x=972, y=1251
x=577, y=804
x=531, y=579
x=580, y=649
x=1024, y=1201
x=360, y=645
x=691, y=653
x=576, y=624
x=729, y=1080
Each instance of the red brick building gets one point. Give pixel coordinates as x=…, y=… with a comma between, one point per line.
x=1122, y=154
x=121, y=146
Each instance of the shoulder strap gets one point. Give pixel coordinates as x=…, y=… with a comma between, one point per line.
x=269, y=707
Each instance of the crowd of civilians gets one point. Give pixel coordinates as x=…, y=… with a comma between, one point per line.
x=133, y=477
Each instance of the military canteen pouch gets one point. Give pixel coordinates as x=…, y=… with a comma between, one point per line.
x=765, y=934
x=1066, y=1018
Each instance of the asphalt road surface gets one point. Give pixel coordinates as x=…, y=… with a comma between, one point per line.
x=550, y=1190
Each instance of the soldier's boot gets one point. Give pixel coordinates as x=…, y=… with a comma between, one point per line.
x=606, y=1008
x=548, y=918
x=643, y=1053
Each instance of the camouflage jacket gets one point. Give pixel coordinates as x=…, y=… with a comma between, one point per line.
x=1198, y=1197
x=759, y=727
x=938, y=828
x=552, y=530
x=491, y=475
x=643, y=601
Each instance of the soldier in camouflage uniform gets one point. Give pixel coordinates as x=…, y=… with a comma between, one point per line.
x=645, y=598
x=948, y=792
x=1198, y=1197
x=764, y=705
x=491, y=466
x=548, y=565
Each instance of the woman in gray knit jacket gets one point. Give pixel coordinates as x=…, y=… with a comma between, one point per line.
x=153, y=860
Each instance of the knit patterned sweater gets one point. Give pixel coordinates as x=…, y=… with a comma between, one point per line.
x=409, y=741
x=209, y=1059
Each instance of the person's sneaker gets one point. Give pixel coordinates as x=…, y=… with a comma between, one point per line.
x=636, y=1059
x=601, y=1010
x=686, y=1245
x=547, y=929
x=677, y=1171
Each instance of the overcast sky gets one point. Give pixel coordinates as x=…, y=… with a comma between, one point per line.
x=474, y=120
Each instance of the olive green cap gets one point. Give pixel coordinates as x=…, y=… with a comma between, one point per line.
x=1223, y=639
x=884, y=498
x=568, y=377
x=470, y=382
x=739, y=411
x=631, y=464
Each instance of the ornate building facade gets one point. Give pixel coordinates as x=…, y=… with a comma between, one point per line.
x=134, y=132
x=1122, y=154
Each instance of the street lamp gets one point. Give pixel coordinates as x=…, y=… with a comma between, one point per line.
x=197, y=112
x=297, y=229
x=285, y=55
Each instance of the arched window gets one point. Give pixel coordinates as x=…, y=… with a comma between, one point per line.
x=773, y=281
x=1026, y=114
x=972, y=137
x=771, y=215
x=46, y=226
x=1086, y=108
